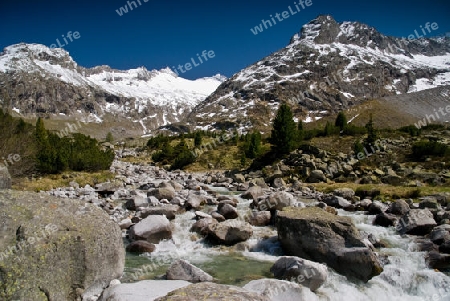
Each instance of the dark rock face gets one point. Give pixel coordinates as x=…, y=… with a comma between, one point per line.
x=56, y=249
x=314, y=234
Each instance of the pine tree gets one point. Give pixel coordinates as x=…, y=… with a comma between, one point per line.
x=109, y=137
x=197, y=139
x=372, y=135
x=284, y=131
x=341, y=120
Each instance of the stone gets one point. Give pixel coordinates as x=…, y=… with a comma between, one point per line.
x=146, y=290
x=140, y=246
x=227, y=211
x=385, y=220
x=280, y=290
x=277, y=201
x=229, y=232
x=346, y=193
x=259, y=218
x=253, y=193
x=398, y=207
x=313, y=234
x=125, y=224
x=307, y=273
x=219, y=217
x=211, y=291
x=278, y=183
x=338, y=202
x=429, y=202
x=5, y=178
x=435, y=260
x=167, y=193
x=201, y=214
x=440, y=234
x=195, y=201
x=376, y=208
x=136, y=202
x=316, y=176
x=201, y=226
x=68, y=249
x=153, y=229
x=183, y=270
x=416, y=222
x=169, y=211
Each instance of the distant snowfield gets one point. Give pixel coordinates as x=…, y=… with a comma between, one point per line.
x=156, y=87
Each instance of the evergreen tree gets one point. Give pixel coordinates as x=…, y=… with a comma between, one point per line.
x=372, y=135
x=284, y=131
x=253, y=145
x=197, y=139
x=300, y=132
x=341, y=120
x=109, y=137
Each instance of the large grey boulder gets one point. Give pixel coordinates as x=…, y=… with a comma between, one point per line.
x=183, y=270
x=416, y=222
x=302, y=271
x=5, y=178
x=212, y=291
x=153, y=229
x=317, y=235
x=147, y=290
x=55, y=249
x=280, y=290
x=229, y=232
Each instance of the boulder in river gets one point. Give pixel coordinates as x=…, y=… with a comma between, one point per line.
x=230, y=232
x=317, y=235
x=153, y=229
x=183, y=270
x=416, y=222
x=280, y=290
x=212, y=291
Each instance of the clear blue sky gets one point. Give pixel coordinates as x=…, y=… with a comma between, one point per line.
x=161, y=33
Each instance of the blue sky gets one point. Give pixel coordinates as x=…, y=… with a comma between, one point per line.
x=160, y=33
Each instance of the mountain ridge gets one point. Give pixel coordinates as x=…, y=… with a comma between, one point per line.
x=325, y=68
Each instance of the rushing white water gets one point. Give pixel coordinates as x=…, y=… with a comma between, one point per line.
x=406, y=276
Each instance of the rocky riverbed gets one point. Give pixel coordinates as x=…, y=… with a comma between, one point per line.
x=224, y=236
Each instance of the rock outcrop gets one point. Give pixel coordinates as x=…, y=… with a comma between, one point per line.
x=317, y=235
x=54, y=249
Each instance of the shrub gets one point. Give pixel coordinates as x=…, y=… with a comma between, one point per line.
x=429, y=148
x=411, y=129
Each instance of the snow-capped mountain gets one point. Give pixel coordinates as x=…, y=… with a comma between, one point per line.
x=35, y=79
x=327, y=67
